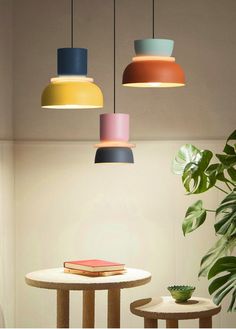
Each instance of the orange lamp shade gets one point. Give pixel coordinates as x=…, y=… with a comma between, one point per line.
x=153, y=73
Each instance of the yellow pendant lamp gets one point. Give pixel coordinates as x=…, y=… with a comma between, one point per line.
x=72, y=89
x=72, y=93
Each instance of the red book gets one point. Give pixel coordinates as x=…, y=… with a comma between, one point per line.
x=94, y=265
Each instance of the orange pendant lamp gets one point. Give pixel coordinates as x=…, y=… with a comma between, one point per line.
x=153, y=65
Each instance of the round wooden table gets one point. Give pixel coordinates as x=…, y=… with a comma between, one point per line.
x=64, y=282
x=165, y=308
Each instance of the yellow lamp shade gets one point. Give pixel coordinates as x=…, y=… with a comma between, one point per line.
x=71, y=94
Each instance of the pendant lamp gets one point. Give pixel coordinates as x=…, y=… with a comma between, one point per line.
x=72, y=89
x=153, y=65
x=114, y=146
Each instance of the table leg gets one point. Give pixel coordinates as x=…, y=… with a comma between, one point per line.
x=172, y=323
x=205, y=322
x=63, y=308
x=88, y=308
x=150, y=323
x=113, y=317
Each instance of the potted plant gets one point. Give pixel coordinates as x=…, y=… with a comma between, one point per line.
x=200, y=174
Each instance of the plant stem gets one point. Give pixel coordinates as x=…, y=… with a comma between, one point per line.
x=221, y=189
x=210, y=210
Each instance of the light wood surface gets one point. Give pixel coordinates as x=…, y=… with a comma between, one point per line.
x=166, y=308
x=88, y=308
x=113, y=308
x=56, y=279
x=63, y=308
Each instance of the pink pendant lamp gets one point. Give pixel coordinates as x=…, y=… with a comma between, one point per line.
x=114, y=129
x=114, y=146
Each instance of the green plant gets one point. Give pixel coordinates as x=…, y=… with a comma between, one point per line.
x=198, y=176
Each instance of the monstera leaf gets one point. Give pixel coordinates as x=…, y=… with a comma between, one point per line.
x=222, y=173
x=186, y=154
x=194, y=217
x=226, y=283
x=226, y=215
x=229, y=149
x=191, y=163
x=228, y=160
x=217, y=170
x=194, y=178
x=232, y=173
x=223, y=247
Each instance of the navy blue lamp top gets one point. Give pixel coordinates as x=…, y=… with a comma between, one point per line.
x=72, y=61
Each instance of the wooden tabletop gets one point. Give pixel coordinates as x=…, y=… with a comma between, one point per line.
x=55, y=278
x=166, y=308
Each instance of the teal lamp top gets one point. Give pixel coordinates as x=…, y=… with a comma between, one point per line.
x=154, y=47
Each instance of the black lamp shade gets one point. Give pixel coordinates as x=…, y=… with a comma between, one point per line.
x=114, y=155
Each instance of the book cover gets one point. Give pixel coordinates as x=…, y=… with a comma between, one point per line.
x=94, y=265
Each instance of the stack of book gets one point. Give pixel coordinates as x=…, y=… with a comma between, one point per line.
x=94, y=267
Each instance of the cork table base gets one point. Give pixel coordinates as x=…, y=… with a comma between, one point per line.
x=64, y=282
x=165, y=308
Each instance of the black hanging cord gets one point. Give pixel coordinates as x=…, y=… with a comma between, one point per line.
x=72, y=23
x=114, y=36
x=153, y=19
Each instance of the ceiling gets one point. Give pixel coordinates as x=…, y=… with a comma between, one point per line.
x=205, y=46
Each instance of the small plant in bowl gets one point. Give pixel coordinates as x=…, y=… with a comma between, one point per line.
x=181, y=293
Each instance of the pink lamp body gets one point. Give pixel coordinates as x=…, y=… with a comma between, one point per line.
x=114, y=127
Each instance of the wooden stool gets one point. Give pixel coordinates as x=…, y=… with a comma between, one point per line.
x=165, y=308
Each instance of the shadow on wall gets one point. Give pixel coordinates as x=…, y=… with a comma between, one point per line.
x=2, y=321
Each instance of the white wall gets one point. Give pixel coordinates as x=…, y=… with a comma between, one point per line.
x=7, y=236
x=68, y=208
x=7, y=228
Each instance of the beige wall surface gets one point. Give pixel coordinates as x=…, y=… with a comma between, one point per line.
x=204, y=34
x=68, y=208
x=6, y=70
x=7, y=225
x=7, y=236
